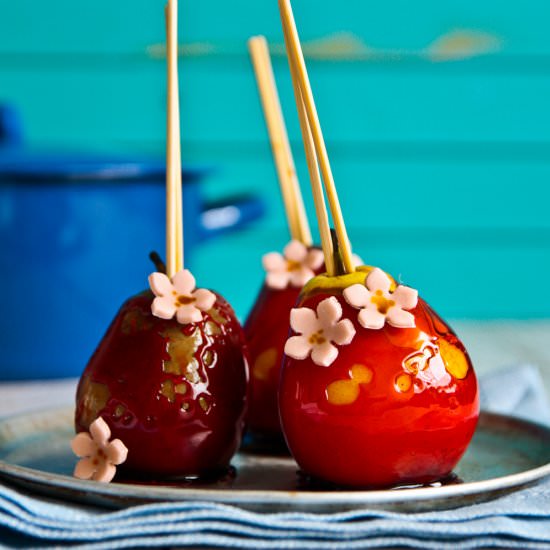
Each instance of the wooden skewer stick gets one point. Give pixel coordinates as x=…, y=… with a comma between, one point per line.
x=295, y=53
x=280, y=145
x=179, y=201
x=174, y=218
x=314, y=176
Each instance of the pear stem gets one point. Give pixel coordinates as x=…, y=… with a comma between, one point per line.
x=158, y=262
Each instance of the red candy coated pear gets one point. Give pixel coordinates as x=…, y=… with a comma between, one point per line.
x=397, y=405
x=266, y=331
x=174, y=394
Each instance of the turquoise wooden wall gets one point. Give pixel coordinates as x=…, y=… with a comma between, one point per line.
x=437, y=117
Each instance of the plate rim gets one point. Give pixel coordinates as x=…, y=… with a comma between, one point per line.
x=155, y=493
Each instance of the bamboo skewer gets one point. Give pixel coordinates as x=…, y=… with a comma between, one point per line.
x=315, y=178
x=295, y=54
x=282, y=153
x=174, y=217
x=179, y=201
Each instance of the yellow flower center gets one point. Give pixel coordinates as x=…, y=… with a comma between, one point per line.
x=381, y=302
x=183, y=300
x=291, y=265
x=317, y=338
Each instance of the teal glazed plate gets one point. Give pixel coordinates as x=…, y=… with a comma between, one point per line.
x=506, y=454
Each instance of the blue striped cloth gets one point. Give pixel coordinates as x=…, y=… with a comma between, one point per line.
x=518, y=520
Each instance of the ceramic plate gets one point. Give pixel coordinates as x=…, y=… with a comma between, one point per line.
x=505, y=454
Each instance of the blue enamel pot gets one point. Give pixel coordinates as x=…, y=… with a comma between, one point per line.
x=75, y=233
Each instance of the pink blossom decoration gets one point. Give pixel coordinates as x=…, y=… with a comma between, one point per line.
x=179, y=297
x=99, y=457
x=378, y=305
x=318, y=332
x=296, y=266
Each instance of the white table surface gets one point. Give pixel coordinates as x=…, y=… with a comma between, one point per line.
x=492, y=345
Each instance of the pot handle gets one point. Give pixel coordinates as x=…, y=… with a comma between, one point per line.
x=11, y=126
x=229, y=214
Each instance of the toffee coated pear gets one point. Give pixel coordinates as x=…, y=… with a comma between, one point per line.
x=173, y=393
x=394, y=406
x=266, y=331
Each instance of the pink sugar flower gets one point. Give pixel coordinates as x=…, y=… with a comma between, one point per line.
x=99, y=457
x=378, y=305
x=296, y=266
x=179, y=297
x=318, y=332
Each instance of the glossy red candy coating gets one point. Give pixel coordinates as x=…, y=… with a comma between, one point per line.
x=174, y=394
x=398, y=429
x=266, y=331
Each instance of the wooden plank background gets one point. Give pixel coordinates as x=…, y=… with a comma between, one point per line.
x=436, y=116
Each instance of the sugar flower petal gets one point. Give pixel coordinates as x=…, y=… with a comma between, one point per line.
x=83, y=445
x=116, y=452
x=273, y=261
x=406, y=297
x=400, y=318
x=371, y=318
x=105, y=472
x=324, y=354
x=163, y=308
x=160, y=284
x=295, y=251
x=204, y=299
x=100, y=431
x=299, y=277
x=184, y=282
x=303, y=320
x=342, y=333
x=297, y=347
x=378, y=280
x=357, y=296
x=277, y=279
x=84, y=469
x=188, y=314
x=329, y=310
x=318, y=332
